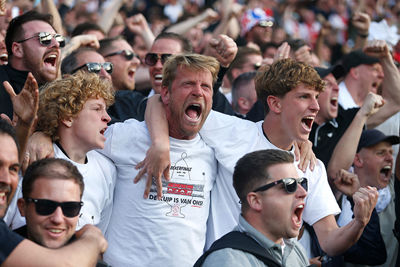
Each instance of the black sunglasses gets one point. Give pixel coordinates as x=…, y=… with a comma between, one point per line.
x=290, y=184
x=129, y=55
x=95, y=67
x=152, y=58
x=46, y=207
x=45, y=38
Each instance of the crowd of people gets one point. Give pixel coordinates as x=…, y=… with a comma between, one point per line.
x=200, y=133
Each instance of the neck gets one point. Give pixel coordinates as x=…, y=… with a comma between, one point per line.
x=256, y=221
x=276, y=134
x=355, y=92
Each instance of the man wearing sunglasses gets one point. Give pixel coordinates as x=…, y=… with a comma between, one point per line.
x=273, y=200
x=32, y=46
x=16, y=251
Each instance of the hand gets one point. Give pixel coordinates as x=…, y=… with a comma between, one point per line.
x=364, y=202
x=88, y=40
x=372, y=103
x=378, y=49
x=303, y=152
x=39, y=146
x=137, y=24
x=92, y=232
x=282, y=52
x=224, y=49
x=346, y=182
x=210, y=15
x=361, y=22
x=156, y=164
x=303, y=54
x=26, y=103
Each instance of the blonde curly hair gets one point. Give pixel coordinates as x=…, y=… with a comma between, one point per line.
x=63, y=99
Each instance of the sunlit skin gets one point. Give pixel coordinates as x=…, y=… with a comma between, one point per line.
x=328, y=100
x=92, y=56
x=9, y=167
x=188, y=103
x=161, y=46
x=280, y=213
x=374, y=164
x=54, y=230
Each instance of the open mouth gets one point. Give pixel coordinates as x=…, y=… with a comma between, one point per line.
x=386, y=171
x=51, y=60
x=193, y=111
x=103, y=131
x=307, y=122
x=297, y=215
x=158, y=78
x=4, y=58
x=334, y=101
x=131, y=73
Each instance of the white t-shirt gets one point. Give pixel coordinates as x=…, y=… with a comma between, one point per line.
x=232, y=138
x=147, y=232
x=99, y=175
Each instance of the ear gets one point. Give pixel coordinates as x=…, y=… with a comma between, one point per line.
x=358, y=161
x=21, y=206
x=354, y=72
x=243, y=103
x=235, y=74
x=254, y=201
x=67, y=122
x=17, y=49
x=165, y=95
x=274, y=104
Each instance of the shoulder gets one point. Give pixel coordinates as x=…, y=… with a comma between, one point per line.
x=230, y=257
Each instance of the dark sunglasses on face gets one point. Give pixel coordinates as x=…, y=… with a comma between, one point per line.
x=152, y=58
x=129, y=55
x=290, y=184
x=95, y=67
x=45, y=38
x=46, y=207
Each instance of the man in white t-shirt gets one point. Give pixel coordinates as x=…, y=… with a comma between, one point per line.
x=170, y=231
x=289, y=90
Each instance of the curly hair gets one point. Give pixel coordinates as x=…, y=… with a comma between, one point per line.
x=64, y=98
x=283, y=76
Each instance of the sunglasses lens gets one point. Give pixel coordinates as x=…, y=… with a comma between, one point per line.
x=45, y=207
x=45, y=40
x=304, y=183
x=151, y=59
x=60, y=39
x=71, y=209
x=94, y=67
x=108, y=67
x=164, y=57
x=290, y=185
x=128, y=55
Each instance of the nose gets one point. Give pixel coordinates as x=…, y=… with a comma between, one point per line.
x=57, y=216
x=135, y=61
x=335, y=87
x=54, y=43
x=106, y=117
x=158, y=64
x=5, y=177
x=197, y=90
x=301, y=192
x=104, y=74
x=314, y=106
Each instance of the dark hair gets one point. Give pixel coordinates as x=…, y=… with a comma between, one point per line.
x=251, y=171
x=107, y=43
x=86, y=26
x=241, y=81
x=241, y=59
x=69, y=63
x=49, y=168
x=185, y=44
x=14, y=30
x=7, y=129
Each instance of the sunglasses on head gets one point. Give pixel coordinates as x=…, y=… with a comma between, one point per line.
x=129, y=55
x=45, y=38
x=46, y=207
x=152, y=58
x=290, y=184
x=96, y=67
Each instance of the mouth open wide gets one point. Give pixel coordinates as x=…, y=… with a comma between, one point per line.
x=307, y=122
x=193, y=112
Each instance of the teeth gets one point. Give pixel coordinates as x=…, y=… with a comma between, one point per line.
x=334, y=98
x=196, y=105
x=2, y=194
x=309, y=118
x=52, y=56
x=300, y=206
x=55, y=231
x=158, y=76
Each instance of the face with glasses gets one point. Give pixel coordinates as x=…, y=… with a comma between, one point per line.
x=280, y=202
x=161, y=47
x=38, y=51
x=50, y=225
x=125, y=62
x=92, y=57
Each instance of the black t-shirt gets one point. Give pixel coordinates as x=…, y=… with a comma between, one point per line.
x=8, y=241
x=17, y=80
x=325, y=136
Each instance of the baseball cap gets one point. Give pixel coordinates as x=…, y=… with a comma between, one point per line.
x=336, y=70
x=356, y=58
x=256, y=16
x=372, y=137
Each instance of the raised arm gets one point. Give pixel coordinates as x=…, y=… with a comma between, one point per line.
x=390, y=84
x=109, y=13
x=138, y=25
x=83, y=252
x=361, y=22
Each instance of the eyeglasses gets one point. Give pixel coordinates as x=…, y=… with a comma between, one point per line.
x=152, y=58
x=257, y=65
x=45, y=38
x=265, y=23
x=46, y=207
x=95, y=67
x=129, y=55
x=290, y=184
